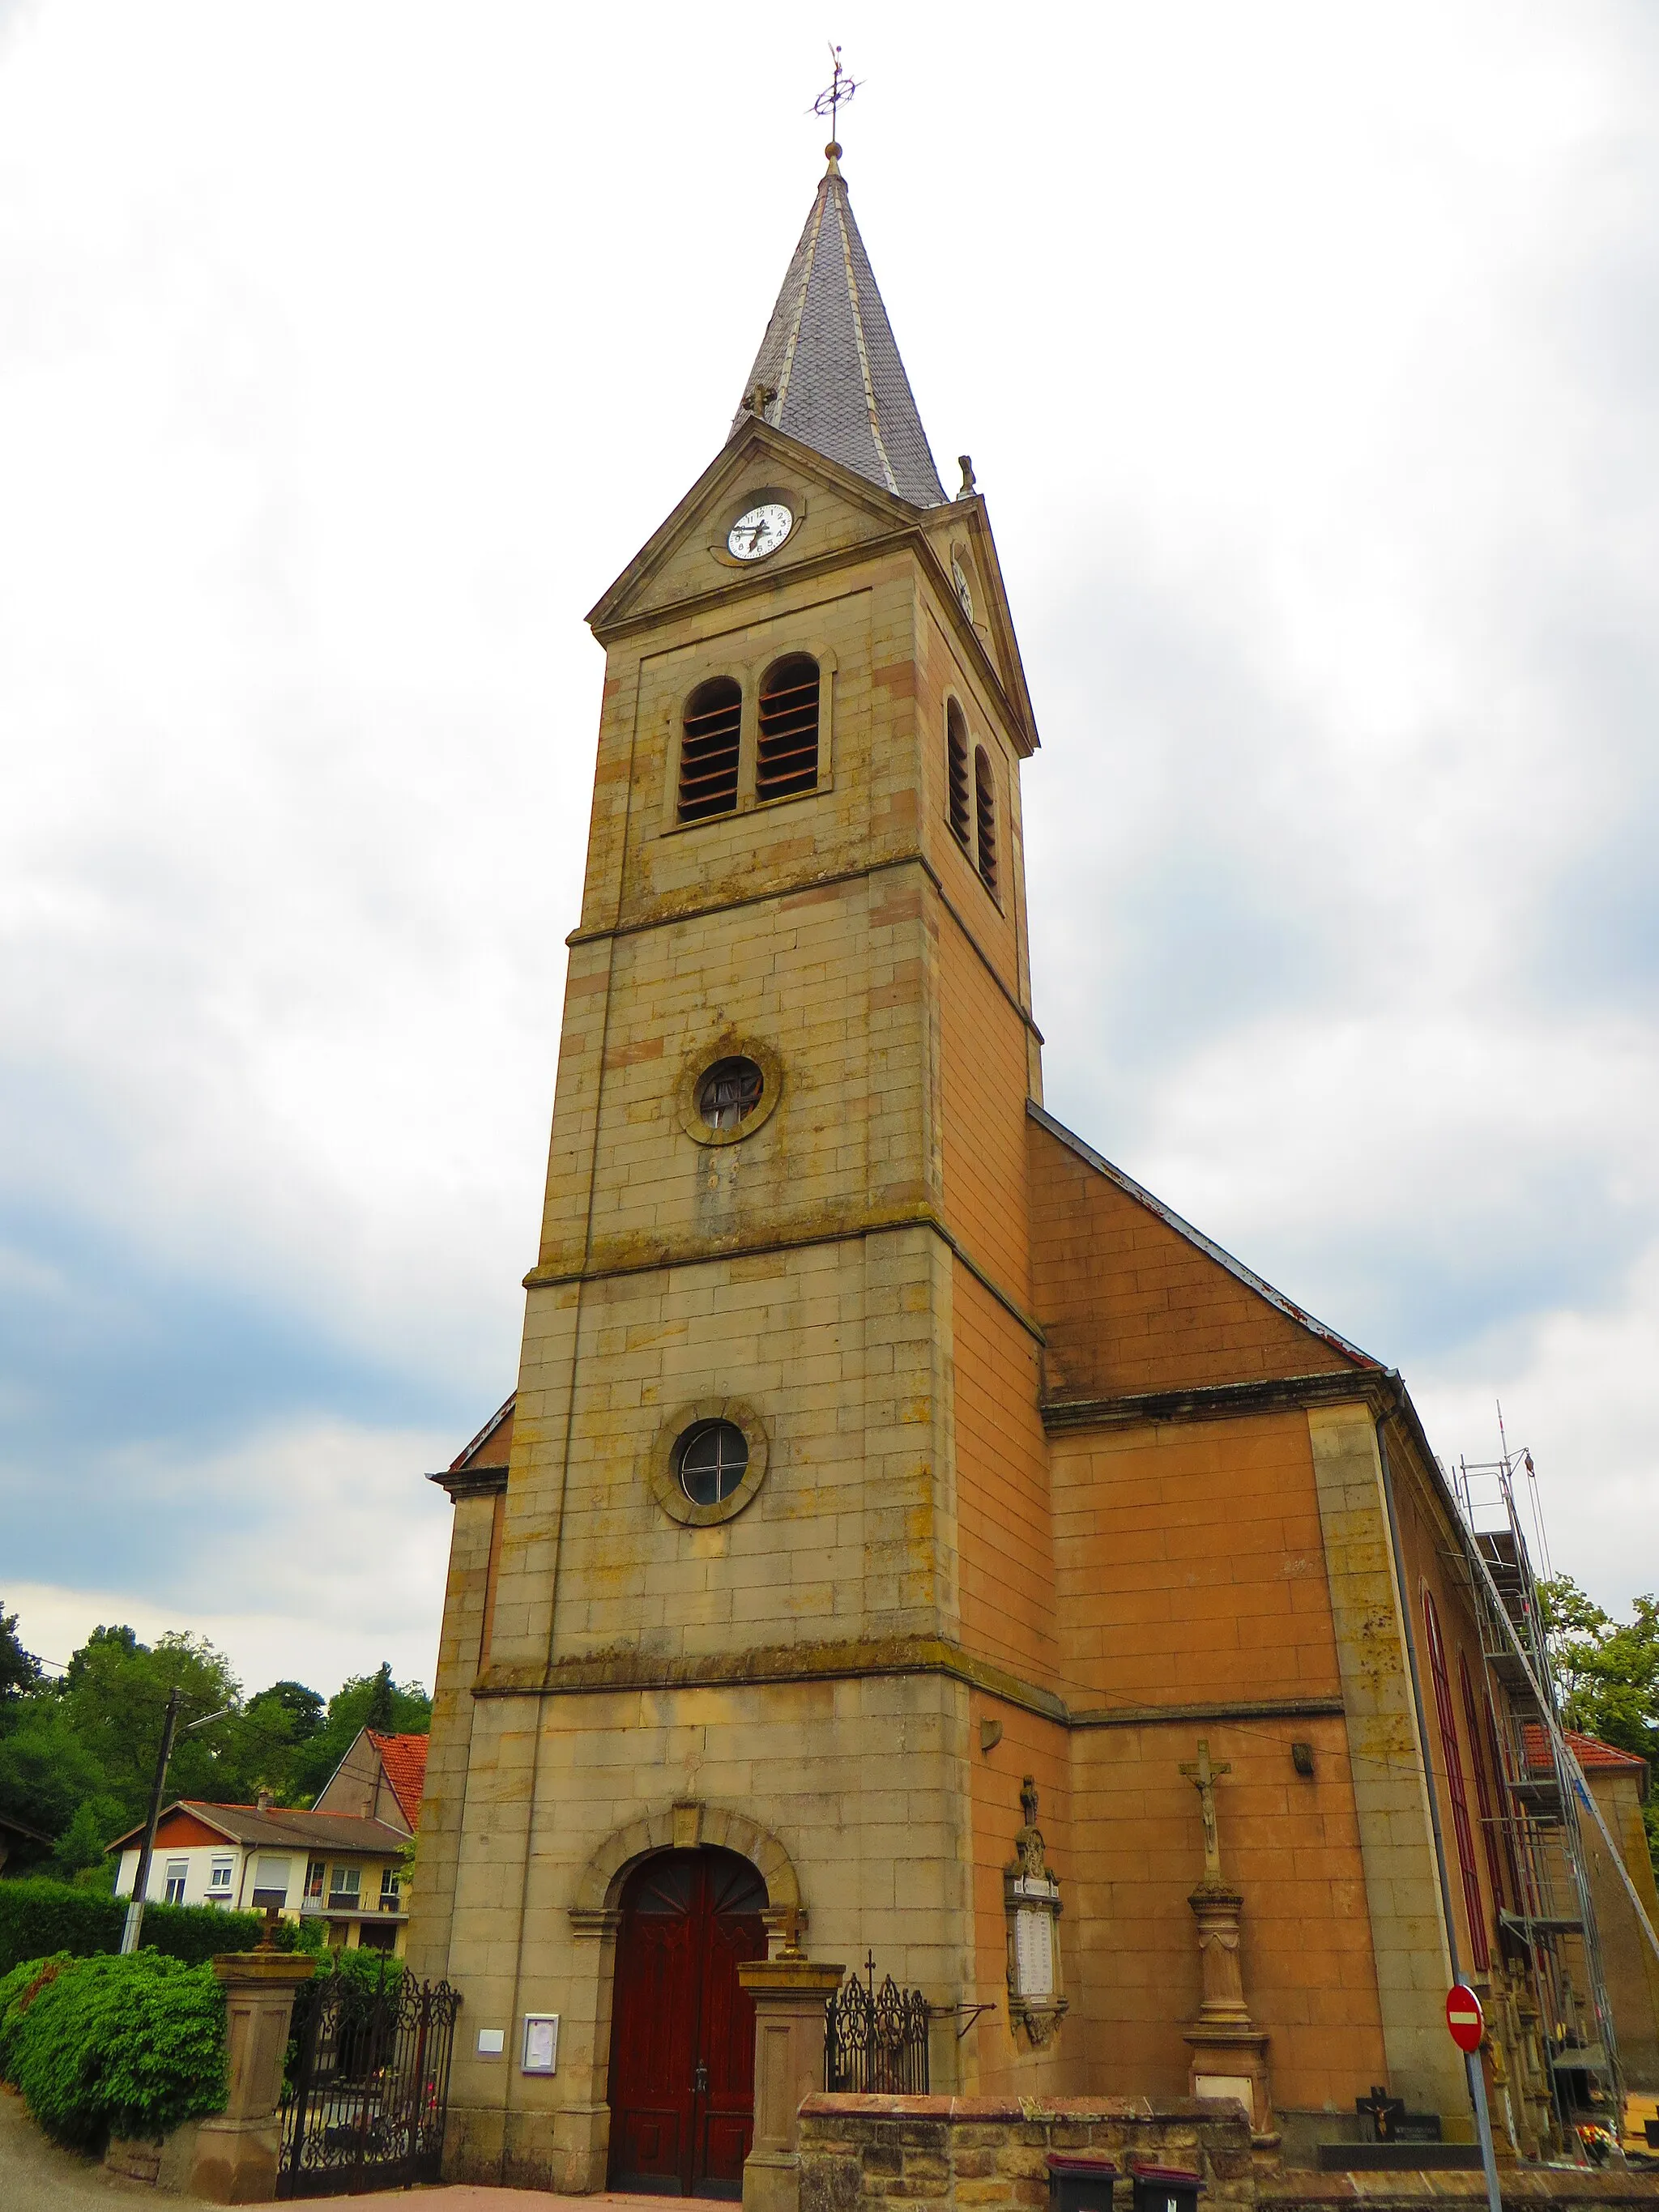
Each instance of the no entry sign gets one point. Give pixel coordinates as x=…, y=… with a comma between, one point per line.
x=1464, y=2018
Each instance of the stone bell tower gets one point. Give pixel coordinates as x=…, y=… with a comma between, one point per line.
x=775, y=1500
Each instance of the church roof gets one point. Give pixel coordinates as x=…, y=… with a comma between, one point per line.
x=830, y=362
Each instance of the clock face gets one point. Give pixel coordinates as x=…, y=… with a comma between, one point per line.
x=962, y=592
x=761, y=531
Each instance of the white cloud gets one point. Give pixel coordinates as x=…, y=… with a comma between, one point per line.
x=299, y=1553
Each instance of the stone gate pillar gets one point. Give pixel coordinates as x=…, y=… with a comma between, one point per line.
x=236, y=2151
x=790, y=1994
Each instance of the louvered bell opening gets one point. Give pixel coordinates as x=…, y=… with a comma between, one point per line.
x=787, y=758
x=986, y=808
x=955, y=750
x=708, y=750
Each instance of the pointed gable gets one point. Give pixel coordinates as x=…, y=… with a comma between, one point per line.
x=831, y=364
x=404, y=1760
x=1134, y=1300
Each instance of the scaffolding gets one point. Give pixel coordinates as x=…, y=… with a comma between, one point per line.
x=1546, y=1925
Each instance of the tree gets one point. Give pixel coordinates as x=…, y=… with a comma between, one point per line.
x=1607, y=1672
x=115, y=1694
x=304, y=1708
x=19, y=1670
x=381, y=1712
x=366, y=1701
x=77, y=1756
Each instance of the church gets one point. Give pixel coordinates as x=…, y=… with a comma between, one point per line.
x=909, y=1546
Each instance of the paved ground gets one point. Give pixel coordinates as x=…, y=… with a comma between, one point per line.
x=37, y=2177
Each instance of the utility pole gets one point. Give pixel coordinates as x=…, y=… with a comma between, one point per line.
x=135, y=1919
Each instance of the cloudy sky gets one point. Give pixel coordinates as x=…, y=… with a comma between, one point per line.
x=1307, y=359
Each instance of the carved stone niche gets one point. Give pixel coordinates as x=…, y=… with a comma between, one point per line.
x=1031, y=1891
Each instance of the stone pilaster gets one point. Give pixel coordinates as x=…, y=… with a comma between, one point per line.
x=1390, y=1784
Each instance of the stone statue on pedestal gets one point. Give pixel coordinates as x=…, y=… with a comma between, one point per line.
x=1230, y=2053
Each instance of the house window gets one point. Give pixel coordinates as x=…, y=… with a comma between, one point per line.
x=177, y=1874
x=955, y=763
x=345, y=1890
x=985, y=808
x=714, y=1457
x=1460, y=1806
x=219, y=1875
x=315, y=1870
x=269, y=1883
x=708, y=750
x=787, y=755
x=389, y=1891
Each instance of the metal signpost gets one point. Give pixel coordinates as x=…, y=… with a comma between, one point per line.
x=1468, y=2024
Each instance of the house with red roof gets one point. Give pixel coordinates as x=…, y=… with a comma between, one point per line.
x=380, y=1778
x=340, y=1864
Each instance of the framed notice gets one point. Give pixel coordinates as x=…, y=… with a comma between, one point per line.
x=541, y=2043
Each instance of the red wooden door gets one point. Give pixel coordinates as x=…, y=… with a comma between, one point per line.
x=682, y=2031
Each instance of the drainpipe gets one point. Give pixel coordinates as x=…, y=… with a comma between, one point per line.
x=1474, y=2072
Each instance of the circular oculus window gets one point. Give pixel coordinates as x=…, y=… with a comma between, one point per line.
x=707, y=1460
x=728, y=1088
x=713, y=1458
x=729, y=1093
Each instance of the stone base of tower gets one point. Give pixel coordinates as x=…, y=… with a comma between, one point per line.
x=564, y=2152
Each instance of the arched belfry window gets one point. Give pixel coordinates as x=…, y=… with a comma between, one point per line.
x=985, y=809
x=787, y=747
x=956, y=765
x=708, y=750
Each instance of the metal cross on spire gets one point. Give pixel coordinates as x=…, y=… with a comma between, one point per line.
x=834, y=96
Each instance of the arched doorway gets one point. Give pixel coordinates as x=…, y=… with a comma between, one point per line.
x=683, y=2032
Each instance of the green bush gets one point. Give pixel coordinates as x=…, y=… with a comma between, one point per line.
x=101, y=2046
x=366, y=1968
x=39, y=1918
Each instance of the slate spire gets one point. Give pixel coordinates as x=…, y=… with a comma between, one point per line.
x=829, y=361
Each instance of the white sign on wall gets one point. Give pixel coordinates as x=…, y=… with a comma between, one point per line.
x=1034, y=1951
x=541, y=2043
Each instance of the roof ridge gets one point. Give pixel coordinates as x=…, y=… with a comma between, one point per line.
x=843, y=217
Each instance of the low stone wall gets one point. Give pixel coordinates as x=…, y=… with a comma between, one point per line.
x=164, y=2165
x=935, y=2153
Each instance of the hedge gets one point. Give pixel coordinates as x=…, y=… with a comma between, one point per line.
x=40, y=1917
x=101, y=2046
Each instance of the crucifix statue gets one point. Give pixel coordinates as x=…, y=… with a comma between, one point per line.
x=1204, y=1778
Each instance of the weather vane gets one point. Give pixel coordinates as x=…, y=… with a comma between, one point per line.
x=839, y=90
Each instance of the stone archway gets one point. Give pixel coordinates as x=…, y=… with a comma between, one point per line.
x=682, y=1826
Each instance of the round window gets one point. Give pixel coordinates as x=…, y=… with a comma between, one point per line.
x=730, y=1093
x=714, y=1457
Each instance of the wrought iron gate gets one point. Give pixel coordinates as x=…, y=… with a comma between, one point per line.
x=368, y=2085
x=875, y=2040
